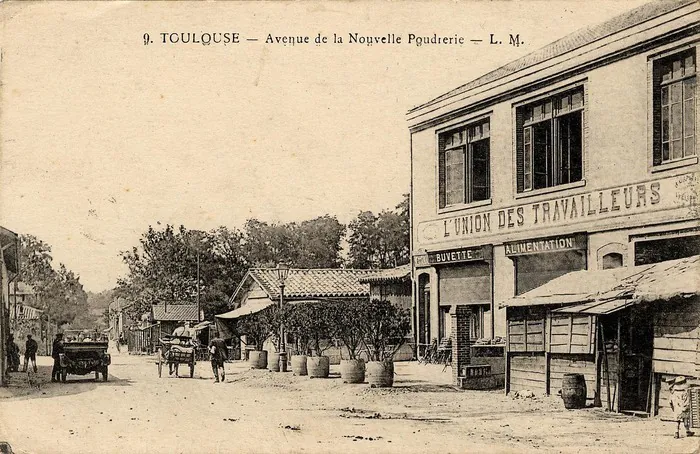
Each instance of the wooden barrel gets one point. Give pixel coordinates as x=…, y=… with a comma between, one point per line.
x=273, y=362
x=257, y=359
x=573, y=391
x=299, y=365
x=318, y=366
x=352, y=370
x=380, y=374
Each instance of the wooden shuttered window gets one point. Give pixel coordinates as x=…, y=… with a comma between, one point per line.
x=526, y=331
x=572, y=333
x=519, y=153
x=442, y=202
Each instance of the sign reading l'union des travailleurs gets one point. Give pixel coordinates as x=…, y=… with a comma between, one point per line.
x=599, y=207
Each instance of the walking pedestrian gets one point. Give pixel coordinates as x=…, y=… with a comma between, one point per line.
x=30, y=349
x=56, y=350
x=680, y=404
x=218, y=353
x=12, y=354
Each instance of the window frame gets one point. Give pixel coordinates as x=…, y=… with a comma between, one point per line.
x=523, y=128
x=467, y=146
x=656, y=83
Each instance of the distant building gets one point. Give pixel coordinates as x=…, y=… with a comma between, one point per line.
x=170, y=316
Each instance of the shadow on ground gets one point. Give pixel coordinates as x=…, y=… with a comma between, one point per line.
x=41, y=387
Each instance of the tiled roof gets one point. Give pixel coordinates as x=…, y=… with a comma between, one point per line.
x=569, y=43
x=175, y=312
x=399, y=273
x=314, y=283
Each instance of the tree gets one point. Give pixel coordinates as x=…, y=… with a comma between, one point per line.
x=385, y=330
x=349, y=322
x=380, y=241
x=59, y=293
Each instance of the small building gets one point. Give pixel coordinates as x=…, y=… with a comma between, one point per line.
x=170, y=316
x=9, y=271
x=119, y=318
x=627, y=330
x=260, y=289
x=394, y=285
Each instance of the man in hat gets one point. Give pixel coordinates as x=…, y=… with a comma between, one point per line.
x=218, y=353
x=680, y=404
x=30, y=349
x=56, y=350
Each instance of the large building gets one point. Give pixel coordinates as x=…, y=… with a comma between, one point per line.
x=579, y=156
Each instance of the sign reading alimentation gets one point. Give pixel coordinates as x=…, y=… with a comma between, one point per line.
x=593, y=206
x=543, y=245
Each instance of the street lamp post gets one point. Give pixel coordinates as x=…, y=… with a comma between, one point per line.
x=282, y=273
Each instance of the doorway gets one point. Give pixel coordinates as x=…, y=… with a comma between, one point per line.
x=636, y=331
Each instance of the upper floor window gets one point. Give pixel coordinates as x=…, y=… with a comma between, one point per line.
x=464, y=163
x=674, y=107
x=549, y=141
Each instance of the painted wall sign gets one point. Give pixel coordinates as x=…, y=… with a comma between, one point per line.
x=459, y=255
x=520, y=221
x=544, y=245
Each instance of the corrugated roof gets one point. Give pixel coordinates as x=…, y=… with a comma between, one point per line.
x=313, y=283
x=399, y=273
x=25, y=312
x=569, y=43
x=175, y=312
x=659, y=281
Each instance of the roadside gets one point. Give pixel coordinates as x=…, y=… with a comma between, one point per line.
x=260, y=411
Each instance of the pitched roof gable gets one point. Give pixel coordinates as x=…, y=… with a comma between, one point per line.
x=174, y=312
x=312, y=283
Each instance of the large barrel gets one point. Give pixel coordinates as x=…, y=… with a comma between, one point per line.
x=257, y=359
x=573, y=391
x=380, y=374
x=299, y=365
x=318, y=366
x=273, y=362
x=352, y=370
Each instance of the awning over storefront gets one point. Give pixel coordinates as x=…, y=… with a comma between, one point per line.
x=250, y=308
x=607, y=291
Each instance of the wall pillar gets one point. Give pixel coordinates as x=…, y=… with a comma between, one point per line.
x=461, y=341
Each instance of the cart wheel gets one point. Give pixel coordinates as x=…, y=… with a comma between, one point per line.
x=191, y=370
x=160, y=362
x=97, y=375
x=104, y=374
x=64, y=375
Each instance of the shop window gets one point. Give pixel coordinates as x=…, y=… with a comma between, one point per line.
x=549, y=141
x=674, y=92
x=660, y=250
x=464, y=165
x=532, y=271
x=612, y=260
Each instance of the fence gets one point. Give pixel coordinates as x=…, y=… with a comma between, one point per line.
x=142, y=341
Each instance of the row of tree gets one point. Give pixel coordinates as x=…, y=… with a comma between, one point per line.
x=176, y=264
x=58, y=291
x=377, y=328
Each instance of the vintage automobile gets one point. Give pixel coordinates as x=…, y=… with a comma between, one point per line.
x=83, y=357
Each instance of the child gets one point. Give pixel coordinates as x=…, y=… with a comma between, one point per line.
x=680, y=404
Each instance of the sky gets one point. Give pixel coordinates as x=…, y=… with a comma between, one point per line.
x=102, y=136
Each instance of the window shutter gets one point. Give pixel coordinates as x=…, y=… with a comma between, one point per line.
x=656, y=112
x=441, y=173
x=519, y=150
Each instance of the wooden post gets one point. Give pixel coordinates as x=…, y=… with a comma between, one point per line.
x=547, y=371
x=620, y=365
x=507, y=353
x=597, y=344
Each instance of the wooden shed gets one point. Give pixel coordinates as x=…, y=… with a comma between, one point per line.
x=627, y=330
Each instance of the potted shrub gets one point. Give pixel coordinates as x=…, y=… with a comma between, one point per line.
x=257, y=328
x=349, y=321
x=385, y=330
x=297, y=326
x=318, y=319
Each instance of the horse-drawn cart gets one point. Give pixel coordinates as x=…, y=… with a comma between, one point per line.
x=176, y=350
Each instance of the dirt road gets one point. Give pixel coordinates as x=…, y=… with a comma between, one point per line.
x=260, y=411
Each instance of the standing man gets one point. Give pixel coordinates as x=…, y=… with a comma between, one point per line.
x=30, y=349
x=56, y=351
x=218, y=353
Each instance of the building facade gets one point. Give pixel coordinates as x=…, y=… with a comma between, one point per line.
x=579, y=156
